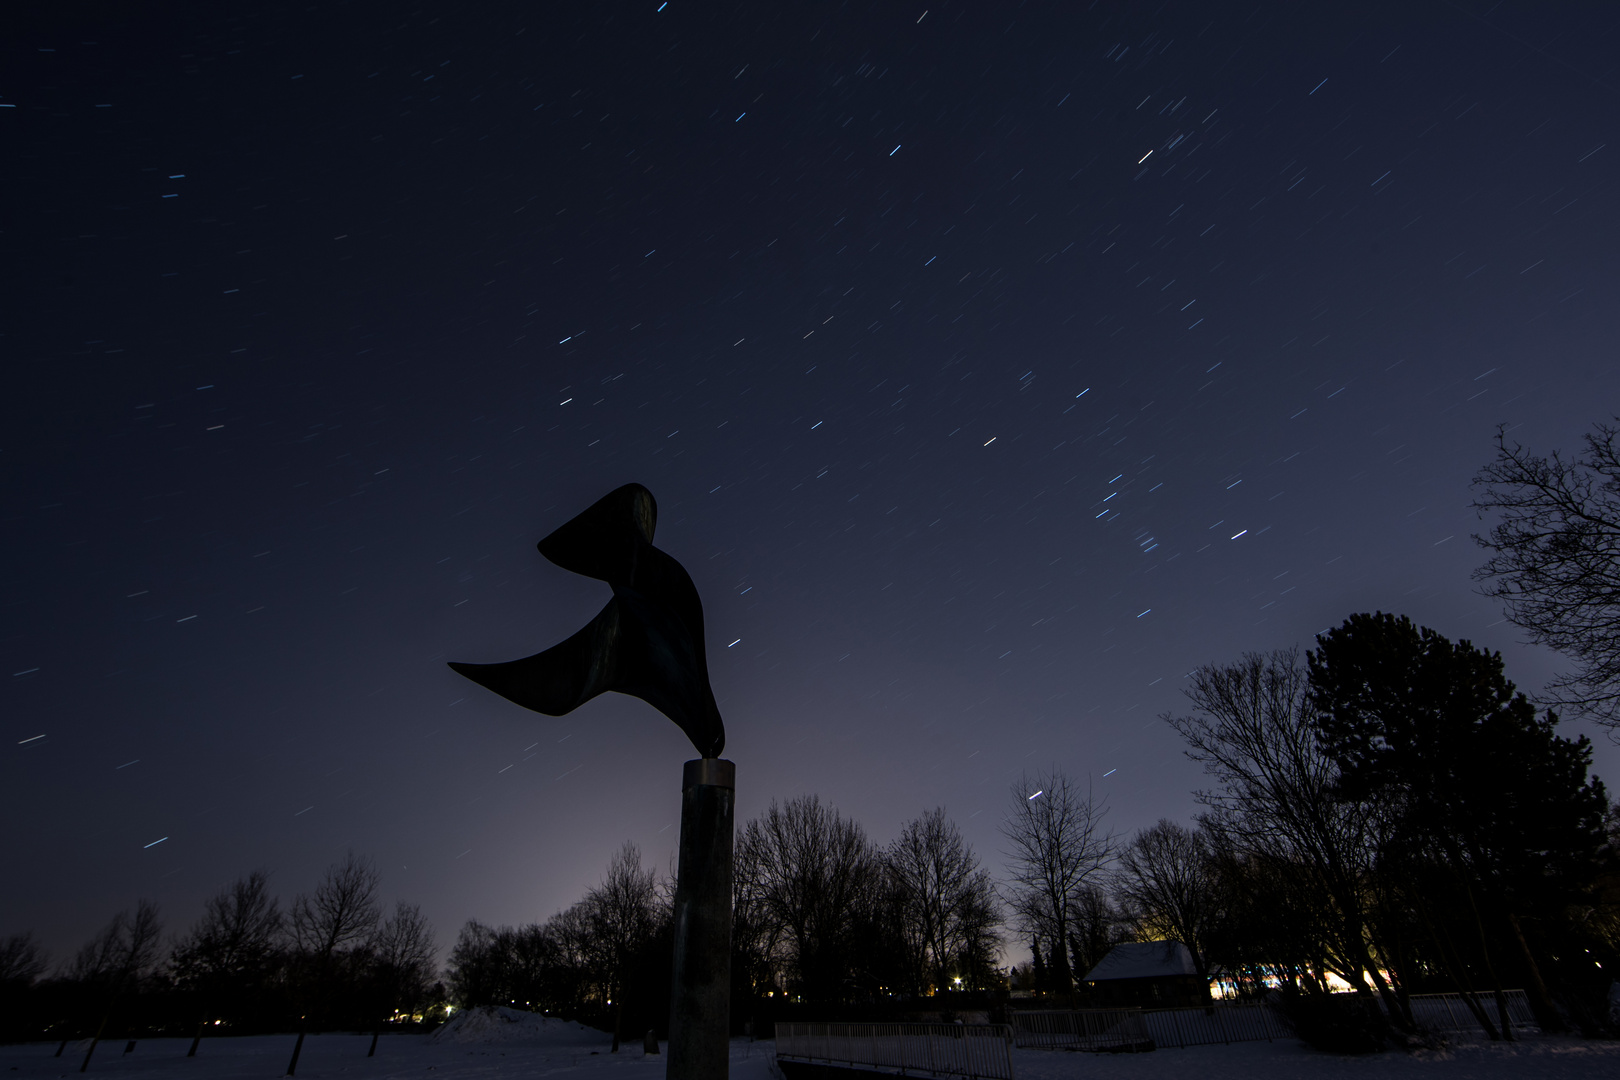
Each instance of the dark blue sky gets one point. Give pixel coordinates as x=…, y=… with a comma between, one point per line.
x=993, y=366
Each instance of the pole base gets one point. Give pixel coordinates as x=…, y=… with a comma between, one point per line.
x=700, y=998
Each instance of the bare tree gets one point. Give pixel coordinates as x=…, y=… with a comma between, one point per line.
x=1095, y=927
x=97, y=958
x=623, y=916
x=1254, y=732
x=112, y=964
x=597, y=954
x=1555, y=560
x=541, y=971
x=341, y=913
x=815, y=877
x=475, y=974
x=946, y=902
x=1167, y=881
x=403, y=946
x=328, y=926
x=402, y=952
x=121, y=953
x=570, y=934
x=1273, y=923
x=22, y=961
x=230, y=947
x=1059, y=844
x=756, y=934
x=236, y=935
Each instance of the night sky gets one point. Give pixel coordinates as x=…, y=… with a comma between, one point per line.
x=993, y=366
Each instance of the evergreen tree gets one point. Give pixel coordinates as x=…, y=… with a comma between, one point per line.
x=1472, y=777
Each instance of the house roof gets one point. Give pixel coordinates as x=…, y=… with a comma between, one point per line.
x=1144, y=960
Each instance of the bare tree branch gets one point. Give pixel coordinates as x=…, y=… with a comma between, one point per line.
x=813, y=877
x=403, y=951
x=946, y=902
x=1254, y=731
x=122, y=954
x=234, y=939
x=1059, y=843
x=1555, y=560
x=341, y=913
x=22, y=961
x=1166, y=878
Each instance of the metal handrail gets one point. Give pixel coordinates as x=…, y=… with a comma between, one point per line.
x=1112, y=1029
x=1449, y=1012
x=966, y=1051
x=1106, y=1029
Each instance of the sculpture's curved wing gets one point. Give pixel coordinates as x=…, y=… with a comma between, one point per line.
x=647, y=642
x=562, y=678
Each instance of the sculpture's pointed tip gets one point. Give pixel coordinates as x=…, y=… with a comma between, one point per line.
x=602, y=540
x=471, y=671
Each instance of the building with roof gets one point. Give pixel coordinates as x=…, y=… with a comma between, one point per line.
x=1146, y=974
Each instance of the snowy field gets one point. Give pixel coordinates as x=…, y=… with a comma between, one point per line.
x=473, y=1046
x=552, y=1048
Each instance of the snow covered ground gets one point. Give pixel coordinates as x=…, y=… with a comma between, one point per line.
x=1532, y=1059
x=556, y=1049
x=530, y=1047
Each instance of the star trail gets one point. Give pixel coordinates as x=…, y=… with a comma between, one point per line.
x=993, y=366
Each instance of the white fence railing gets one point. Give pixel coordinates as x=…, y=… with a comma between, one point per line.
x=1217, y=1024
x=1449, y=1012
x=969, y=1051
x=1080, y=1029
x=1124, y=1029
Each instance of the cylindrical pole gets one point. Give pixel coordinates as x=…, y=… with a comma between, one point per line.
x=700, y=998
x=85, y=1066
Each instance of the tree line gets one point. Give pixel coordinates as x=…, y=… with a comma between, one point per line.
x=334, y=958
x=1386, y=812
x=821, y=915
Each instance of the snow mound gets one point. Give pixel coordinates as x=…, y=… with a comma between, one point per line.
x=499, y=1024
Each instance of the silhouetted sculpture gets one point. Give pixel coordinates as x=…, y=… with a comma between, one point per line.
x=647, y=642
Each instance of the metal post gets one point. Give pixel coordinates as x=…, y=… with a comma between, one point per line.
x=700, y=998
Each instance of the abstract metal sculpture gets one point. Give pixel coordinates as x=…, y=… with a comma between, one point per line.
x=647, y=642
